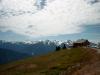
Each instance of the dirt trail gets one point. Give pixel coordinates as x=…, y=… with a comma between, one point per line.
x=91, y=68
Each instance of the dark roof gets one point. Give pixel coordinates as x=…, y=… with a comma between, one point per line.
x=80, y=41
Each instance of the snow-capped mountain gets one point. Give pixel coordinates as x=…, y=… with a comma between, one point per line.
x=12, y=51
x=36, y=47
x=19, y=50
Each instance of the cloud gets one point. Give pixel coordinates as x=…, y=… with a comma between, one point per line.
x=16, y=7
x=58, y=17
x=17, y=4
x=92, y=1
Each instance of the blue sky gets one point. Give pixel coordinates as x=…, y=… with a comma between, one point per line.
x=90, y=32
x=56, y=20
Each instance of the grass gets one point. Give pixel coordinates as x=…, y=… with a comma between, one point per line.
x=59, y=62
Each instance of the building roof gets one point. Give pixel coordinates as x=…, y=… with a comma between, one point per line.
x=81, y=41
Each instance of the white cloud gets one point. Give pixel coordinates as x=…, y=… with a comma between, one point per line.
x=59, y=17
x=17, y=4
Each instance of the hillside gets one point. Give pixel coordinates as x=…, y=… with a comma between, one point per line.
x=30, y=48
x=75, y=61
x=7, y=55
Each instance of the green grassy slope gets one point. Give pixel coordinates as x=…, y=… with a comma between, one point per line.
x=63, y=62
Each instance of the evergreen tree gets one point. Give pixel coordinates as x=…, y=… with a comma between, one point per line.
x=64, y=46
x=58, y=48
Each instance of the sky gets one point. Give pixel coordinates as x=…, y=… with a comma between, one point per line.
x=49, y=19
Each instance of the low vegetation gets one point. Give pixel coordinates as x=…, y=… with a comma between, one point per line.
x=63, y=62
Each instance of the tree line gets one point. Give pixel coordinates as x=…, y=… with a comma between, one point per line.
x=58, y=47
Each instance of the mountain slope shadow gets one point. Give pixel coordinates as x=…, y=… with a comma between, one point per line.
x=7, y=55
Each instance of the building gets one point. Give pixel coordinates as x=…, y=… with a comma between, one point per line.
x=81, y=43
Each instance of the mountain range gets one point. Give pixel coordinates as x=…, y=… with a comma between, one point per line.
x=10, y=51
